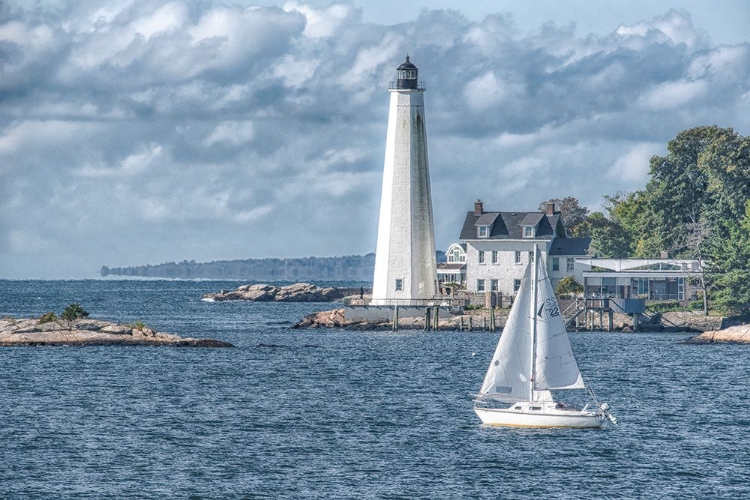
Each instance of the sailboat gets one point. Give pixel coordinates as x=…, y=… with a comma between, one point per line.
x=533, y=358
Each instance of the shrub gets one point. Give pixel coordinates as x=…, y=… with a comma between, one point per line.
x=48, y=317
x=665, y=306
x=568, y=285
x=73, y=312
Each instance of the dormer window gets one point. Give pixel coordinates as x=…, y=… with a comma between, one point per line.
x=483, y=231
x=528, y=231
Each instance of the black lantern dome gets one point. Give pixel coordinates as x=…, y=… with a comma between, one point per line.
x=407, y=75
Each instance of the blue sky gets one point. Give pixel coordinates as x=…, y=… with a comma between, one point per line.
x=136, y=132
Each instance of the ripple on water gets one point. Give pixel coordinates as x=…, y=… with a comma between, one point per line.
x=326, y=414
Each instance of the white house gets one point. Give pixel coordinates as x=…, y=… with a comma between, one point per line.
x=499, y=246
x=453, y=270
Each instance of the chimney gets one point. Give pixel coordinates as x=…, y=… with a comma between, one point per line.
x=478, y=207
x=550, y=209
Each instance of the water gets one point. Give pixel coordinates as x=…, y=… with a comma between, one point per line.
x=340, y=414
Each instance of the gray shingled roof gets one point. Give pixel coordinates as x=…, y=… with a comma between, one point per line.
x=570, y=246
x=532, y=219
x=487, y=219
x=508, y=225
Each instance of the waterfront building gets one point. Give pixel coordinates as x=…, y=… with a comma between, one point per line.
x=650, y=279
x=405, y=263
x=499, y=245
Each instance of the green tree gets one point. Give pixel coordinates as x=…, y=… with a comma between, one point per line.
x=608, y=237
x=572, y=213
x=73, y=312
x=730, y=274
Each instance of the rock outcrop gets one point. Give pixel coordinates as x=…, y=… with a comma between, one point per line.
x=734, y=334
x=298, y=292
x=81, y=332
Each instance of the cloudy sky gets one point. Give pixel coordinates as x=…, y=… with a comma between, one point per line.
x=139, y=131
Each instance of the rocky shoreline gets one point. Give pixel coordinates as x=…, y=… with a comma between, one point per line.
x=479, y=319
x=298, y=292
x=90, y=332
x=739, y=334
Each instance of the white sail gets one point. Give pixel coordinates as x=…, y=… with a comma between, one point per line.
x=555, y=366
x=507, y=378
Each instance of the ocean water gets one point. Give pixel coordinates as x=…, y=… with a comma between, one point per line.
x=344, y=414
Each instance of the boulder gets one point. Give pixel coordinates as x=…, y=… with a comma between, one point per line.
x=734, y=334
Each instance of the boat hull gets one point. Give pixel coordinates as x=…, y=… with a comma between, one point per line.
x=542, y=418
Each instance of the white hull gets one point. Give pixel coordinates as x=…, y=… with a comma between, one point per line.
x=542, y=415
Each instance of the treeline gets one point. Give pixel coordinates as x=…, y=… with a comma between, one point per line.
x=696, y=205
x=346, y=268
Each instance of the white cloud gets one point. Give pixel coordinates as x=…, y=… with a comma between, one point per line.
x=253, y=215
x=133, y=164
x=674, y=27
x=671, y=95
x=488, y=90
x=231, y=132
x=322, y=23
x=633, y=166
x=172, y=120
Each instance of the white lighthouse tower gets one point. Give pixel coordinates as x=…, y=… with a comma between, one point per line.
x=405, y=267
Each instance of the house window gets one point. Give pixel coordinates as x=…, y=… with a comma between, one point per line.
x=555, y=263
x=516, y=285
x=484, y=231
x=399, y=284
x=480, y=285
x=528, y=231
x=493, y=285
x=481, y=257
x=518, y=257
x=494, y=257
x=571, y=264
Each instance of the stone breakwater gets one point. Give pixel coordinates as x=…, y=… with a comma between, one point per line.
x=336, y=319
x=298, y=292
x=82, y=332
x=479, y=319
x=739, y=334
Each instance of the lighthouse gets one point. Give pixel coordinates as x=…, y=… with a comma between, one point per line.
x=405, y=266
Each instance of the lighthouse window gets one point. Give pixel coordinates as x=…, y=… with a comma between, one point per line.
x=399, y=284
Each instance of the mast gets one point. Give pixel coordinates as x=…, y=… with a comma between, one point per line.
x=534, y=294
